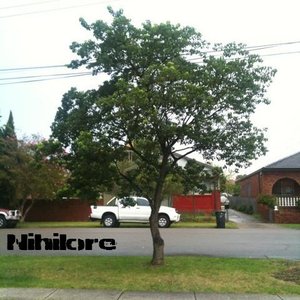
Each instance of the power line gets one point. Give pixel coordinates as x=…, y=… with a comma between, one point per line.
x=47, y=75
x=200, y=59
x=54, y=9
x=33, y=68
x=252, y=48
x=27, y=4
x=256, y=48
x=45, y=79
x=275, y=44
x=280, y=53
x=59, y=76
x=68, y=75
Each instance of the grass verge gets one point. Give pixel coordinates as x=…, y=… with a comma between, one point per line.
x=199, y=274
x=291, y=226
x=229, y=225
x=188, y=221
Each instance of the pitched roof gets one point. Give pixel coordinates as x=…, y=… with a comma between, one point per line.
x=290, y=162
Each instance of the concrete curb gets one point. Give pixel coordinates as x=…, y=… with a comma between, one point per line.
x=76, y=294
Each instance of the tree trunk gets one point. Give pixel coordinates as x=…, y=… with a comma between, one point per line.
x=158, y=242
x=25, y=212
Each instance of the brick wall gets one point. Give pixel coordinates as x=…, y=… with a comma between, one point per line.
x=265, y=212
x=250, y=186
x=64, y=210
x=284, y=215
x=287, y=215
x=269, y=179
x=263, y=183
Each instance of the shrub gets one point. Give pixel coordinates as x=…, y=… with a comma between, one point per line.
x=267, y=200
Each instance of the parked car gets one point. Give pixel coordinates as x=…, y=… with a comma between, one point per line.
x=224, y=198
x=131, y=210
x=9, y=218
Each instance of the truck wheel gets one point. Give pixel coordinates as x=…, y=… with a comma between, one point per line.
x=109, y=220
x=2, y=222
x=163, y=221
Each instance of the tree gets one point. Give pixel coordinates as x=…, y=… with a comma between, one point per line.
x=38, y=176
x=9, y=129
x=166, y=98
x=28, y=170
x=8, y=155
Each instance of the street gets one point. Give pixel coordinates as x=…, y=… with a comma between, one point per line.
x=272, y=242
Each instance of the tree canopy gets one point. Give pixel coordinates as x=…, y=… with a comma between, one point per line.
x=169, y=94
x=28, y=171
x=8, y=151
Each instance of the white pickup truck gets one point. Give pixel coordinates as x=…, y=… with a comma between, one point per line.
x=9, y=218
x=131, y=210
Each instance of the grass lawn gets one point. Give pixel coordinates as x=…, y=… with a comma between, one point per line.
x=190, y=273
x=229, y=225
x=188, y=221
x=291, y=226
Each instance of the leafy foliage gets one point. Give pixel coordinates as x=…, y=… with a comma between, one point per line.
x=8, y=159
x=28, y=170
x=158, y=99
x=267, y=200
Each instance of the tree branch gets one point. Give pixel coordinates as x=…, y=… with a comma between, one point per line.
x=131, y=182
x=142, y=157
x=182, y=156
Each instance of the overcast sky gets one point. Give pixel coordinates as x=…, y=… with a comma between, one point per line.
x=36, y=33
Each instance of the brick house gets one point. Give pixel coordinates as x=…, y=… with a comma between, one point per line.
x=281, y=179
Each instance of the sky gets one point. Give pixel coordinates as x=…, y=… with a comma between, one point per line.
x=38, y=33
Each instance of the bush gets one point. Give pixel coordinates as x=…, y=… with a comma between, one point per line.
x=267, y=200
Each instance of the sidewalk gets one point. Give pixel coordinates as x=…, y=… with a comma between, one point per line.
x=76, y=294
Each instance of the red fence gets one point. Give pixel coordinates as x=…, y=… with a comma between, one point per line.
x=64, y=210
x=197, y=203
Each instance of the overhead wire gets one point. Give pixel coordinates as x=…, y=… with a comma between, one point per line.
x=55, y=9
x=255, y=48
x=45, y=77
x=32, y=68
x=250, y=48
x=27, y=4
x=280, y=53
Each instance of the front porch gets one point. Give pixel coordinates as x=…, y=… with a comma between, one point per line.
x=288, y=201
x=287, y=210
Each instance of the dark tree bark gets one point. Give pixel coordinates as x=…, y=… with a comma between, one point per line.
x=158, y=242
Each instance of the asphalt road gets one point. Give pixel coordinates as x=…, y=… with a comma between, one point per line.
x=275, y=242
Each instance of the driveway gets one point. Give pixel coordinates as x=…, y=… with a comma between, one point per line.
x=248, y=221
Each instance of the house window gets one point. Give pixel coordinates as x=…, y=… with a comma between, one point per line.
x=286, y=187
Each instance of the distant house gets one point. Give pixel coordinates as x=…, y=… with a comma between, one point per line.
x=210, y=184
x=280, y=179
